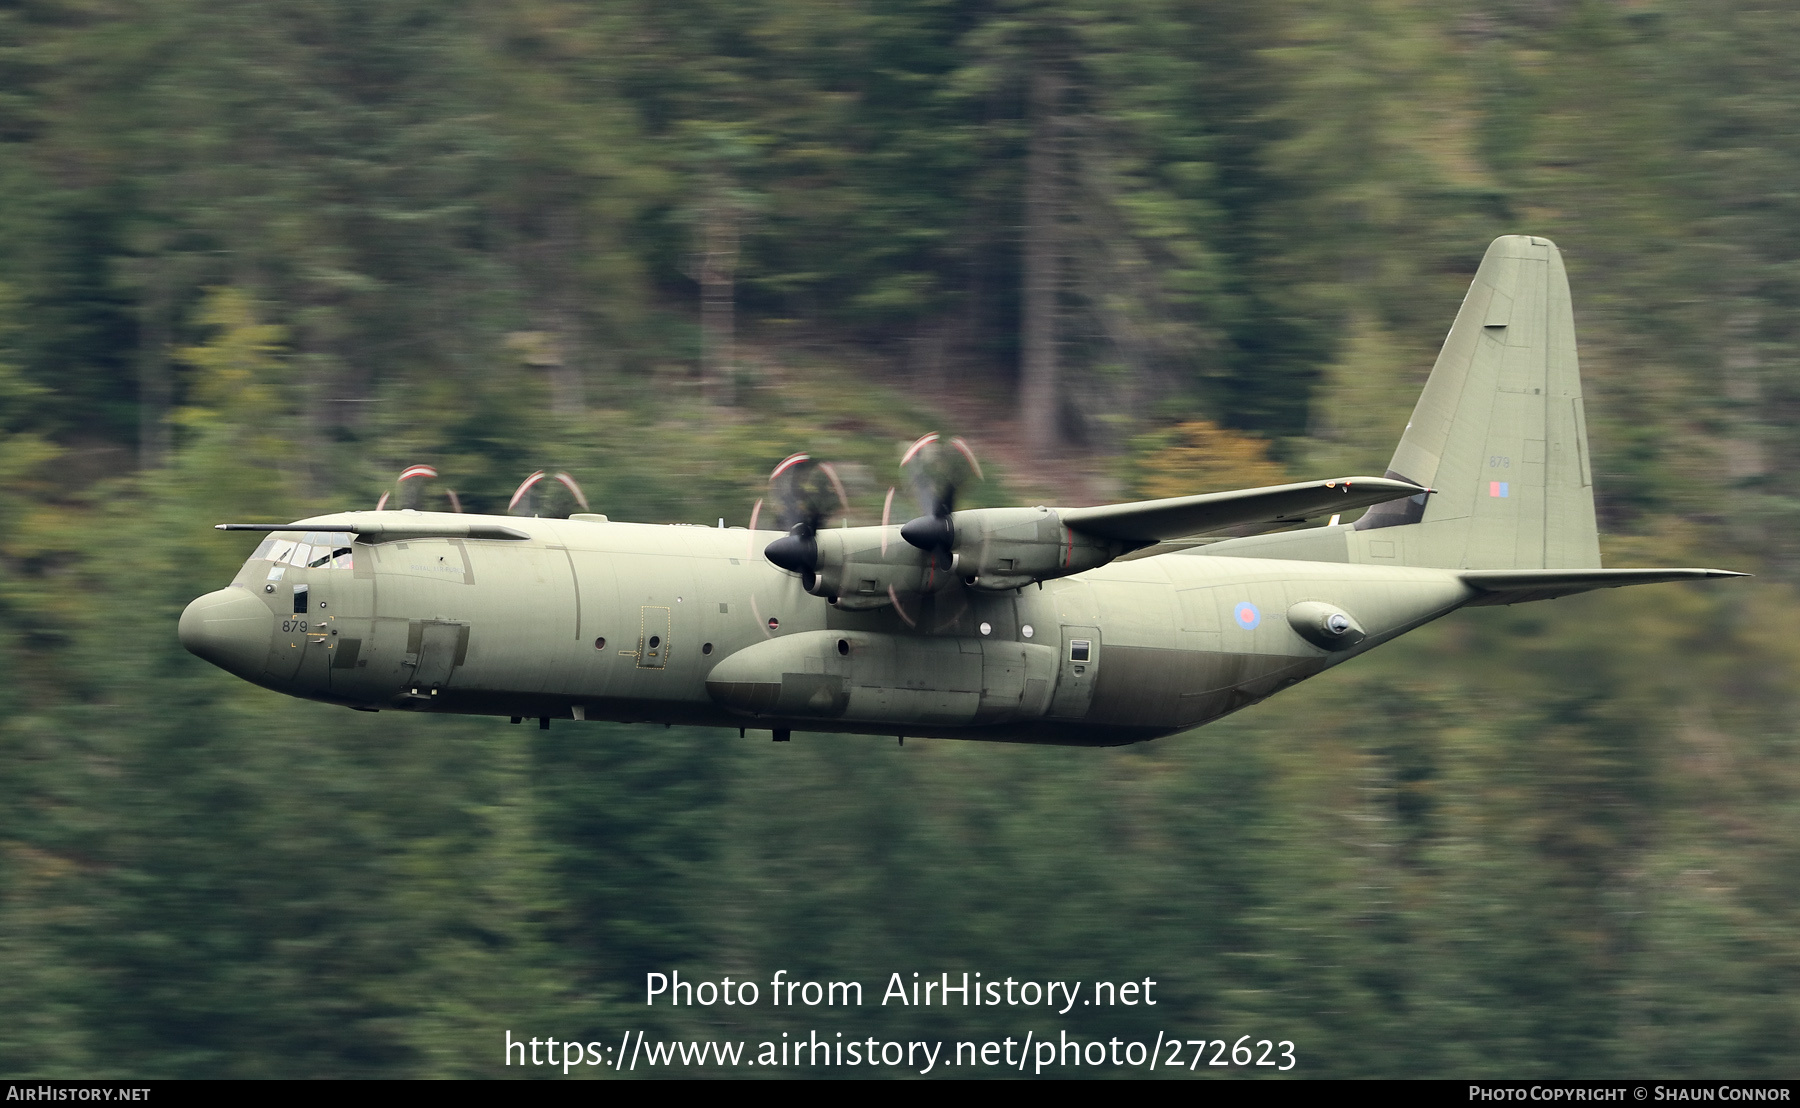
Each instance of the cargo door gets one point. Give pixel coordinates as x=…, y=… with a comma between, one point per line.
x=1077, y=672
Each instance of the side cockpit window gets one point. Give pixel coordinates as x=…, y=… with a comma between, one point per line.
x=329, y=556
x=330, y=549
x=282, y=553
x=309, y=549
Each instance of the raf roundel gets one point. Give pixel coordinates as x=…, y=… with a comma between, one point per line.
x=1246, y=615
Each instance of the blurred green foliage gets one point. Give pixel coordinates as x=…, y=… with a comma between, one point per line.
x=259, y=255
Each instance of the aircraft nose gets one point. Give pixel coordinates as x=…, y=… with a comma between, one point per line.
x=231, y=629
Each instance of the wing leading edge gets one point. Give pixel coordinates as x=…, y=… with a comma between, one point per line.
x=1148, y=521
x=375, y=527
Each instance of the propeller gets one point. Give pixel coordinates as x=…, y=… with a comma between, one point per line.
x=804, y=493
x=936, y=468
x=410, y=496
x=524, y=494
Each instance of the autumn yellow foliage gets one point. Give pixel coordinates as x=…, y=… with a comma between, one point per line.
x=1201, y=456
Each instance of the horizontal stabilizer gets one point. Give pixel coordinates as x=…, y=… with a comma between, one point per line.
x=1149, y=521
x=392, y=526
x=1516, y=586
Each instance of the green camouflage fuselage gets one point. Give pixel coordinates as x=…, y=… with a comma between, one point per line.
x=672, y=624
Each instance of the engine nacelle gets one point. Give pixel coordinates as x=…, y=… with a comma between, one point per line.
x=862, y=572
x=1007, y=548
x=995, y=550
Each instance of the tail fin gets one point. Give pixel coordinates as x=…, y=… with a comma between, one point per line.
x=1498, y=435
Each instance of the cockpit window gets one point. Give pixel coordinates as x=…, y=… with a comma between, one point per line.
x=326, y=556
x=310, y=549
x=283, y=550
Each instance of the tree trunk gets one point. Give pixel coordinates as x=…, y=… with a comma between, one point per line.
x=1039, y=391
x=718, y=268
x=1744, y=459
x=154, y=387
x=567, y=394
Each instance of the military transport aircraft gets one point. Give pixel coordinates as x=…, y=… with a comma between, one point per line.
x=1084, y=626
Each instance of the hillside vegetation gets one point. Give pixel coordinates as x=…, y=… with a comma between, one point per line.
x=257, y=255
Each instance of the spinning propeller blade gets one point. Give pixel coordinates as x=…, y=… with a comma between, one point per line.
x=525, y=499
x=936, y=468
x=410, y=495
x=805, y=493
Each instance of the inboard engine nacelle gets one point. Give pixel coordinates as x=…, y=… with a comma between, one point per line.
x=1006, y=548
x=992, y=549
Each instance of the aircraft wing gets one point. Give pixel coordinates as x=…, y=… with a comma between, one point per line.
x=1148, y=521
x=1516, y=586
x=372, y=527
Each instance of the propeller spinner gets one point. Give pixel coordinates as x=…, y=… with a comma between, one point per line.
x=804, y=493
x=936, y=468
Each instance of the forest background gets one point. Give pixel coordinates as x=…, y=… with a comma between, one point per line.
x=257, y=255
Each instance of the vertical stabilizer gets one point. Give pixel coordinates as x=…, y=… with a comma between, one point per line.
x=1498, y=433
